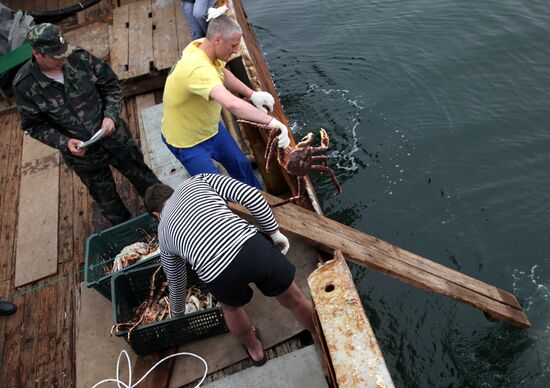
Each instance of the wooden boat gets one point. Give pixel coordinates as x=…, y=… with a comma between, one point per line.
x=39, y=342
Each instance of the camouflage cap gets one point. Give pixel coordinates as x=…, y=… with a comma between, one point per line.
x=46, y=38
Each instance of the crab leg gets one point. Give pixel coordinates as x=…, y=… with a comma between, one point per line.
x=329, y=171
x=319, y=161
x=301, y=191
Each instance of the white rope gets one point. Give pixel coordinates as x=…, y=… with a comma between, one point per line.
x=130, y=385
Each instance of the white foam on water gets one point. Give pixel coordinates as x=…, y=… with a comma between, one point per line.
x=534, y=291
x=530, y=283
x=345, y=159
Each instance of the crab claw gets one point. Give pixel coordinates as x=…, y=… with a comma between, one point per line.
x=324, y=138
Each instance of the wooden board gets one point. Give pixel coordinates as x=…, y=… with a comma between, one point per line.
x=119, y=48
x=38, y=213
x=381, y=256
x=165, y=37
x=11, y=139
x=140, y=45
x=147, y=38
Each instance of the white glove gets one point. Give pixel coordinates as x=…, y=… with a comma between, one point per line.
x=284, y=141
x=213, y=13
x=280, y=241
x=262, y=100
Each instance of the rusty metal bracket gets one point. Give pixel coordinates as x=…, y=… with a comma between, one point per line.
x=356, y=359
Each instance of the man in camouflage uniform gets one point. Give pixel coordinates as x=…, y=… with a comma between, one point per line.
x=64, y=95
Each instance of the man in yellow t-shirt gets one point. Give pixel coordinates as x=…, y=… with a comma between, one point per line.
x=195, y=91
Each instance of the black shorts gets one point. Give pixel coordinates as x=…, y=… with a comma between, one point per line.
x=258, y=262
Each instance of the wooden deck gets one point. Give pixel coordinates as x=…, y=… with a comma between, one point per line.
x=37, y=344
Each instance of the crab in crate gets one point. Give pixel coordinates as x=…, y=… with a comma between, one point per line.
x=298, y=160
x=132, y=253
x=153, y=309
x=197, y=301
x=157, y=306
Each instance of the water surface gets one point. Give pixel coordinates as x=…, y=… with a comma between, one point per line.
x=438, y=113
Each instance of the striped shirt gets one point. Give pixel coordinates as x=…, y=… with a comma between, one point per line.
x=198, y=228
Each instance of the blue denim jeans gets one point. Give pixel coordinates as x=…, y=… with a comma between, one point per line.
x=223, y=149
x=195, y=14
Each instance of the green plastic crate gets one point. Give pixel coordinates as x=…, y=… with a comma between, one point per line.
x=108, y=243
x=131, y=287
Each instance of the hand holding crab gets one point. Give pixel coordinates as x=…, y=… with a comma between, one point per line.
x=297, y=160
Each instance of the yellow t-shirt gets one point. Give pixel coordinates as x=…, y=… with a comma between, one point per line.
x=189, y=115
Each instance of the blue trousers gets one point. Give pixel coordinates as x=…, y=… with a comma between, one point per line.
x=195, y=14
x=223, y=149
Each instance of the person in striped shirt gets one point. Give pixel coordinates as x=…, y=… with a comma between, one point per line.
x=227, y=253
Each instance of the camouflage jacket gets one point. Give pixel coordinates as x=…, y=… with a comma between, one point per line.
x=53, y=113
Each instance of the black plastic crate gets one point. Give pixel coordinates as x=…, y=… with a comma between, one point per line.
x=131, y=287
x=108, y=243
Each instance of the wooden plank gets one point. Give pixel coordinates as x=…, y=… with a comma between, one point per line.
x=30, y=304
x=37, y=224
x=47, y=329
x=81, y=226
x=66, y=210
x=134, y=28
x=366, y=250
x=160, y=376
x=65, y=3
x=14, y=4
x=5, y=124
x=46, y=375
x=11, y=367
x=127, y=2
x=120, y=44
x=140, y=38
x=132, y=86
x=30, y=5
x=52, y=5
x=10, y=199
x=165, y=40
x=142, y=102
x=4, y=294
x=64, y=318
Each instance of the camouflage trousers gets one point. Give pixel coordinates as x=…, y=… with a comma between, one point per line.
x=101, y=184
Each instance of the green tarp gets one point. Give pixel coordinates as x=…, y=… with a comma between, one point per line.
x=15, y=57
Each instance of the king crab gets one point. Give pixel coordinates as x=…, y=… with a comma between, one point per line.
x=298, y=160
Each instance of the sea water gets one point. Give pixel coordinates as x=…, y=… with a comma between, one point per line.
x=438, y=114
